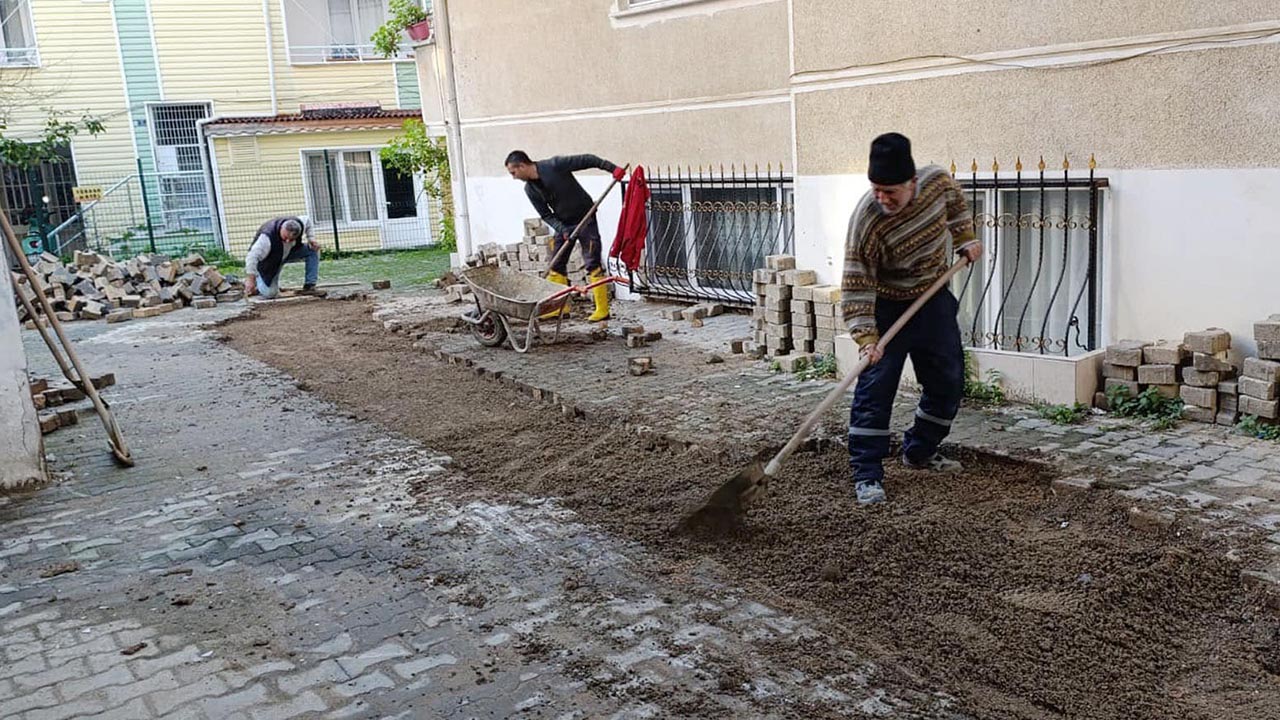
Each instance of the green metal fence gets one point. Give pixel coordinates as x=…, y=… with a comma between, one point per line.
x=355, y=205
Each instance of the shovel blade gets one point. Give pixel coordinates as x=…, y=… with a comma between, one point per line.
x=725, y=508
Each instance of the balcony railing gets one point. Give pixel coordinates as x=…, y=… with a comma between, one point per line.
x=322, y=54
x=21, y=57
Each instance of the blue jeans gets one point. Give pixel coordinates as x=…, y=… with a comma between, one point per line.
x=932, y=340
x=301, y=252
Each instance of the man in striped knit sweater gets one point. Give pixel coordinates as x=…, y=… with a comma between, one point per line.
x=902, y=238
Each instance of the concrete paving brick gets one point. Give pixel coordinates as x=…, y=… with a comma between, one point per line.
x=166, y=702
x=70, y=670
x=14, y=706
x=325, y=674
x=233, y=703
x=355, y=665
x=413, y=668
x=307, y=702
x=146, y=685
x=74, y=689
x=364, y=684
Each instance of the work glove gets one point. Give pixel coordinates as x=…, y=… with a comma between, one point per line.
x=619, y=173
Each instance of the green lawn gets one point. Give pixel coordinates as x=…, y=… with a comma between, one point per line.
x=404, y=268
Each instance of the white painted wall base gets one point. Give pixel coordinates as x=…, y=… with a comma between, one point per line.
x=499, y=208
x=1025, y=378
x=21, y=445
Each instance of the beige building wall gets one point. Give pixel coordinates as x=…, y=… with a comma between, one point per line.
x=565, y=76
x=1211, y=108
x=831, y=35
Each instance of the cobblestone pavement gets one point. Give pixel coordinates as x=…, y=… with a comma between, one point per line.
x=1194, y=468
x=264, y=560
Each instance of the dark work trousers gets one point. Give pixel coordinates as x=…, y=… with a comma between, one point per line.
x=932, y=340
x=588, y=240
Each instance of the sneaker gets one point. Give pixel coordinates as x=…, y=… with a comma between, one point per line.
x=936, y=463
x=310, y=289
x=869, y=492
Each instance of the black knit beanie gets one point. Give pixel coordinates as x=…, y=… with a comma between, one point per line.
x=891, y=162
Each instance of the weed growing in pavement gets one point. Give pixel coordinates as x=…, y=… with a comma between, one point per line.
x=1253, y=427
x=1063, y=414
x=775, y=366
x=822, y=367
x=983, y=392
x=1148, y=405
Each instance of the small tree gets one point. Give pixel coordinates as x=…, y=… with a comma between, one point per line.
x=414, y=151
x=401, y=14
x=28, y=154
x=57, y=133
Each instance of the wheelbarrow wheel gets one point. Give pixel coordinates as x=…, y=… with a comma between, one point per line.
x=491, y=332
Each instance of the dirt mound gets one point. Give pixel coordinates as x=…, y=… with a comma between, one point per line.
x=1022, y=602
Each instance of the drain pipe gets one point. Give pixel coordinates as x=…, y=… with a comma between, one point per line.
x=271, y=57
x=452, y=128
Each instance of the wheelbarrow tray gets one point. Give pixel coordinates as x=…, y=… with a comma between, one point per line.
x=513, y=294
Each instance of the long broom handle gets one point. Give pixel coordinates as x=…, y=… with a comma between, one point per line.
x=81, y=377
x=839, y=390
x=568, y=245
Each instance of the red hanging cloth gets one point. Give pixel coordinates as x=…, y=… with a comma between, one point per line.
x=633, y=224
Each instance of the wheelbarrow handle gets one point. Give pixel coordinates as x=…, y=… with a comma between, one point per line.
x=584, y=289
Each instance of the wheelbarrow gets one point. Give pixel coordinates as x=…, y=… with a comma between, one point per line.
x=507, y=297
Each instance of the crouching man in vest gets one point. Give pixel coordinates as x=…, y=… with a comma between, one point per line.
x=279, y=241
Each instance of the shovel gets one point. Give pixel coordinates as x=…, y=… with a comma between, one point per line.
x=727, y=505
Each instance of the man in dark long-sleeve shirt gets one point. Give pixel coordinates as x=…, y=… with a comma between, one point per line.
x=562, y=203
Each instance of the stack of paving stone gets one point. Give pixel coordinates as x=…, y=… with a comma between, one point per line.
x=1267, y=334
x=1161, y=368
x=1259, y=386
x=794, y=318
x=1207, y=390
x=772, y=313
x=1120, y=366
x=531, y=255
x=95, y=286
x=46, y=396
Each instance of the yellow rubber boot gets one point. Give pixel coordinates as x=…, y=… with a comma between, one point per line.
x=558, y=279
x=601, y=295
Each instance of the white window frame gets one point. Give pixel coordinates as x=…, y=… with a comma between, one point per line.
x=340, y=185
x=626, y=9
x=28, y=55
x=323, y=54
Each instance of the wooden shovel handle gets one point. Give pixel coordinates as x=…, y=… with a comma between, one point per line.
x=568, y=245
x=847, y=381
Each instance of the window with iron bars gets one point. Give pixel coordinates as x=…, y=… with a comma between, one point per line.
x=324, y=31
x=179, y=159
x=1036, y=289
x=708, y=234
x=17, y=34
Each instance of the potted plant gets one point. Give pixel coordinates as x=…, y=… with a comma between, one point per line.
x=402, y=15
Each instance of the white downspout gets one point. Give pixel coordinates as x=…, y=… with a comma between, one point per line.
x=453, y=128
x=271, y=57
